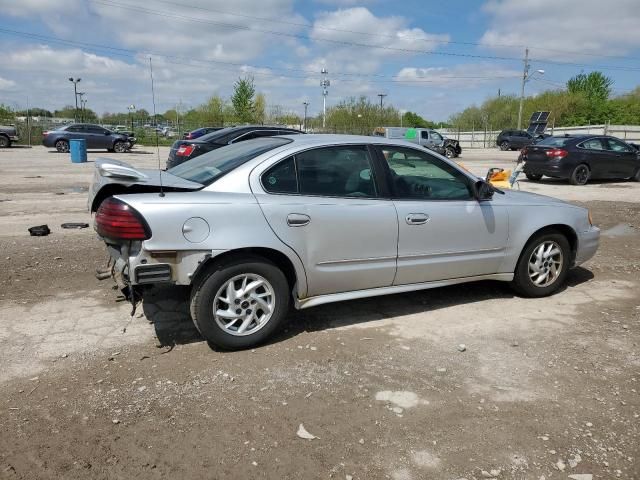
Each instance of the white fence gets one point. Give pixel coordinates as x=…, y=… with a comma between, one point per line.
x=484, y=139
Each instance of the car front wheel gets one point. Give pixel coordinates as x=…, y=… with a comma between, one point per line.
x=543, y=265
x=534, y=176
x=4, y=142
x=120, y=147
x=504, y=146
x=239, y=304
x=450, y=152
x=62, y=146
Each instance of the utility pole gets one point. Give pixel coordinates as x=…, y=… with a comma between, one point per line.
x=75, y=91
x=381, y=95
x=80, y=94
x=306, y=104
x=324, y=83
x=525, y=74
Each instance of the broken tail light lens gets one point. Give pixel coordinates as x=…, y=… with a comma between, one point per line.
x=120, y=221
x=185, y=150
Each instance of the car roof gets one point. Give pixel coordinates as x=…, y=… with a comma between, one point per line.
x=320, y=139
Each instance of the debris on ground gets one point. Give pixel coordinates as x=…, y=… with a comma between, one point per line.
x=39, y=231
x=75, y=225
x=302, y=433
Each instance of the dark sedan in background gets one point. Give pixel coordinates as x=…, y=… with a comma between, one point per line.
x=581, y=158
x=516, y=139
x=95, y=136
x=183, y=150
x=193, y=134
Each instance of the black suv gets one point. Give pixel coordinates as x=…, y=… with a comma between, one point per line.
x=183, y=150
x=514, y=139
x=581, y=158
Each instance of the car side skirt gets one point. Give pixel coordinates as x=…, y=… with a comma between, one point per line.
x=373, y=292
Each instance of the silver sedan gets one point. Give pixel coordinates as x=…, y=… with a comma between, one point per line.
x=260, y=225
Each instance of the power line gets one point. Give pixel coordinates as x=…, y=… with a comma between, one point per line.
x=344, y=42
x=310, y=74
x=378, y=35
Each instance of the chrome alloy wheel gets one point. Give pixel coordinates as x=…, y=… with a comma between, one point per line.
x=244, y=304
x=545, y=264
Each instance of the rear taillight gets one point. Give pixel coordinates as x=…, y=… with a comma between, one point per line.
x=119, y=221
x=557, y=153
x=189, y=136
x=44, y=134
x=185, y=150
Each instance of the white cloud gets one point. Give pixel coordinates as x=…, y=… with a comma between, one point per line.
x=466, y=75
x=6, y=84
x=587, y=26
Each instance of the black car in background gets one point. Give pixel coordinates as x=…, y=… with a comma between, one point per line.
x=199, y=132
x=183, y=150
x=95, y=136
x=514, y=139
x=581, y=158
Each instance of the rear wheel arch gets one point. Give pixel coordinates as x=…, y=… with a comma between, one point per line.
x=271, y=255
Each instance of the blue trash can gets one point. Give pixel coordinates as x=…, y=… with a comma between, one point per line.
x=78, y=149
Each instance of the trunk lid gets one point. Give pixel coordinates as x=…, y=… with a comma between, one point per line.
x=537, y=153
x=112, y=177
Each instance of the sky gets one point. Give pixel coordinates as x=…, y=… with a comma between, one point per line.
x=433, y=58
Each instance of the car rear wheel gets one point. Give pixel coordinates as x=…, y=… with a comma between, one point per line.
x=4, y=142
x=504, y=146
x=62, y=146
x=241, y=303
x=534, y=176
x=120, y=147
x=580, y=175
x=543, y=265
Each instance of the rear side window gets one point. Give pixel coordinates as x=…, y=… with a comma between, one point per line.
x=593, y=144
x=281, y=178
x=344, y=171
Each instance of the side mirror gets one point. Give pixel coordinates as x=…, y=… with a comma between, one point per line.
x=483, y=190
x=107, y=132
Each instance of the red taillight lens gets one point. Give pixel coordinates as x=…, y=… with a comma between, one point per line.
x=557, y=153
x=185, y=150
x=117, y=220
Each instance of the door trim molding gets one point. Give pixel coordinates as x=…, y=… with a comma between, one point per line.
x=373, y=292
x=450, y=253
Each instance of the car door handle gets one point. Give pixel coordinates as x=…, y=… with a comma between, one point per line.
x=417, y=218
x=298, y=220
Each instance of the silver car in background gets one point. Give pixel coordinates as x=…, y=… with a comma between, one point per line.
x=311, y=219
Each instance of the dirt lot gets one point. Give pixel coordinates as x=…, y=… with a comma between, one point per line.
x=546, y=388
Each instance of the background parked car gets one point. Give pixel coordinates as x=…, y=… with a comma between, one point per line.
x=8, y=134
x=514, y=139
x=426, y=137
x=95, y=135
x=581, y=158
x=193, y=134
x=183, y=150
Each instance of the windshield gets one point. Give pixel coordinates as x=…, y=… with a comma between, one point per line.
x=213, y=136
x=553, y=141
x=207, y=168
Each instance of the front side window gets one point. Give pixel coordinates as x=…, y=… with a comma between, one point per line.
x=420, y=176
x=96, y=130
x=436, y=136
x=617, y=145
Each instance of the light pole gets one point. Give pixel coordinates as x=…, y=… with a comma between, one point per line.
x=132, y=109
x=306, y=104
x=324, y=83
x=381, y=95
x=75, y=91
x=83, y=104
x=525, y=78
x=80, y=94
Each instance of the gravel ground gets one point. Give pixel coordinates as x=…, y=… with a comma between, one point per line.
x=545, y=388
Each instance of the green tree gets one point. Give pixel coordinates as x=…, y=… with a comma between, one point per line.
x=595, y=86
x=259, y=109
x=243, y=99
x=411, y=119
x=213, y=111
x=6, y=114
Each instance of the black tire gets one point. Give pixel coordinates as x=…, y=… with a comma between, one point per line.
x=534, y=177
x=449, y=152
x=580, y=175
x=504, y=146
x=120, y=147
x=62, y=146
x=4, y=142
x=204, y=293
x=522, y=282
